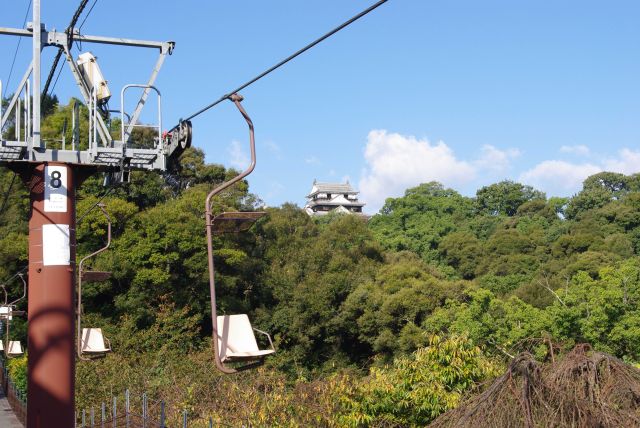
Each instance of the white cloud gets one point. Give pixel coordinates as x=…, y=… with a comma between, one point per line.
x=396, y=162
x=628, y=162
x=276, y=189
x=556, y=177
x=273, y=148
x=496, y=160
x=565, y=178
x=579, y=150
x=312, y=160
x=239, y=159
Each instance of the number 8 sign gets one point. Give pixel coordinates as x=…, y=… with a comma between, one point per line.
x=55, y=189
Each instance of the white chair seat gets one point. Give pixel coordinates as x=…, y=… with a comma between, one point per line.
x=236, y=340
x=14, y=349
x=248, y=355
x=1, y=345
x=93, y=342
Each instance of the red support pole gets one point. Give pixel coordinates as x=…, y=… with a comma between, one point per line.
x=51, y=358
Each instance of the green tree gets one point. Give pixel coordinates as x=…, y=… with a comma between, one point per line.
x=386, y=313
x=505, y=197
x=420, y=219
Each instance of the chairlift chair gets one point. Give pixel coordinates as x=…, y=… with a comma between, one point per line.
x=91, y=343
x=233, y=337
x=5, y=312
x=14, y=349
x=236, y=341
x=7, y=309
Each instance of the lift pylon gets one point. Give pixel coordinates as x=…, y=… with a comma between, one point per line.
x=52, y=173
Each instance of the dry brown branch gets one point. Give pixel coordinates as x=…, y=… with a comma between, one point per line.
x=583, y=389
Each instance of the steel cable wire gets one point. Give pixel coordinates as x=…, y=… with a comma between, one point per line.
x=15, y=54
x=289, y=58
x=69, y=32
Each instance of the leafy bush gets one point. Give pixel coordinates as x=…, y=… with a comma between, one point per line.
x=418, y=388
x=17, y=368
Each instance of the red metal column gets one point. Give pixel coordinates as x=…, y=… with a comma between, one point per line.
x=51, y=296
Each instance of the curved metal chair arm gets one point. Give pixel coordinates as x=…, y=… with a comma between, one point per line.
x=6, y=296
x=80, y=266
x=24, y=290
x=268, y=337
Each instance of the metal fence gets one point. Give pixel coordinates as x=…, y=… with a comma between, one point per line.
x=126, y=413
x=17, y=399
x=129, y=413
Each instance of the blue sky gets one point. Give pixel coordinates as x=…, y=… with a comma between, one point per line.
x=463, y=92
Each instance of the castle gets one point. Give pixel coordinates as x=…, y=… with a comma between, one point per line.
x=328, y=197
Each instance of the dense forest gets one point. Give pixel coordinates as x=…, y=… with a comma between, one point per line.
x=386, y=321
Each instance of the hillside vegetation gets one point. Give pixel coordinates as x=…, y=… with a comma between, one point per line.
x=386, y=322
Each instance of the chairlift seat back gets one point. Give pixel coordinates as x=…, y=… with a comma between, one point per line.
x=5, y=312
x=236, y=341
x=93, y=341
x=1, y=345
x=14, y=349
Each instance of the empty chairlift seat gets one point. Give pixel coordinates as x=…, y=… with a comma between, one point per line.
x=93, y=341
x=5, y=312
x=14, y=349
x=236, y=341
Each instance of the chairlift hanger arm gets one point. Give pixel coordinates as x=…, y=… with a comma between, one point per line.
x=80, y=266
x=6, y=296
x=237, y=99
x=24, y=290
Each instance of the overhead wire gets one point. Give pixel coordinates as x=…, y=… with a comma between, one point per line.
x=15, y=54
x=289, y=58
x=109, y=190
x=55, y=82
x=69, y=32
x=87, y=15
x=6, y=194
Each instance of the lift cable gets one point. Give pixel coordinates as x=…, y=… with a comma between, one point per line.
x=87, y=15
x=15, y=54
x=286, y=60
x=104, y=195
x=52, y=71
x=55, y=82
x=69, y=32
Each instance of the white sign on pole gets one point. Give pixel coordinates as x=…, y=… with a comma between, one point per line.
x=55, y=189
x=55, y=245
